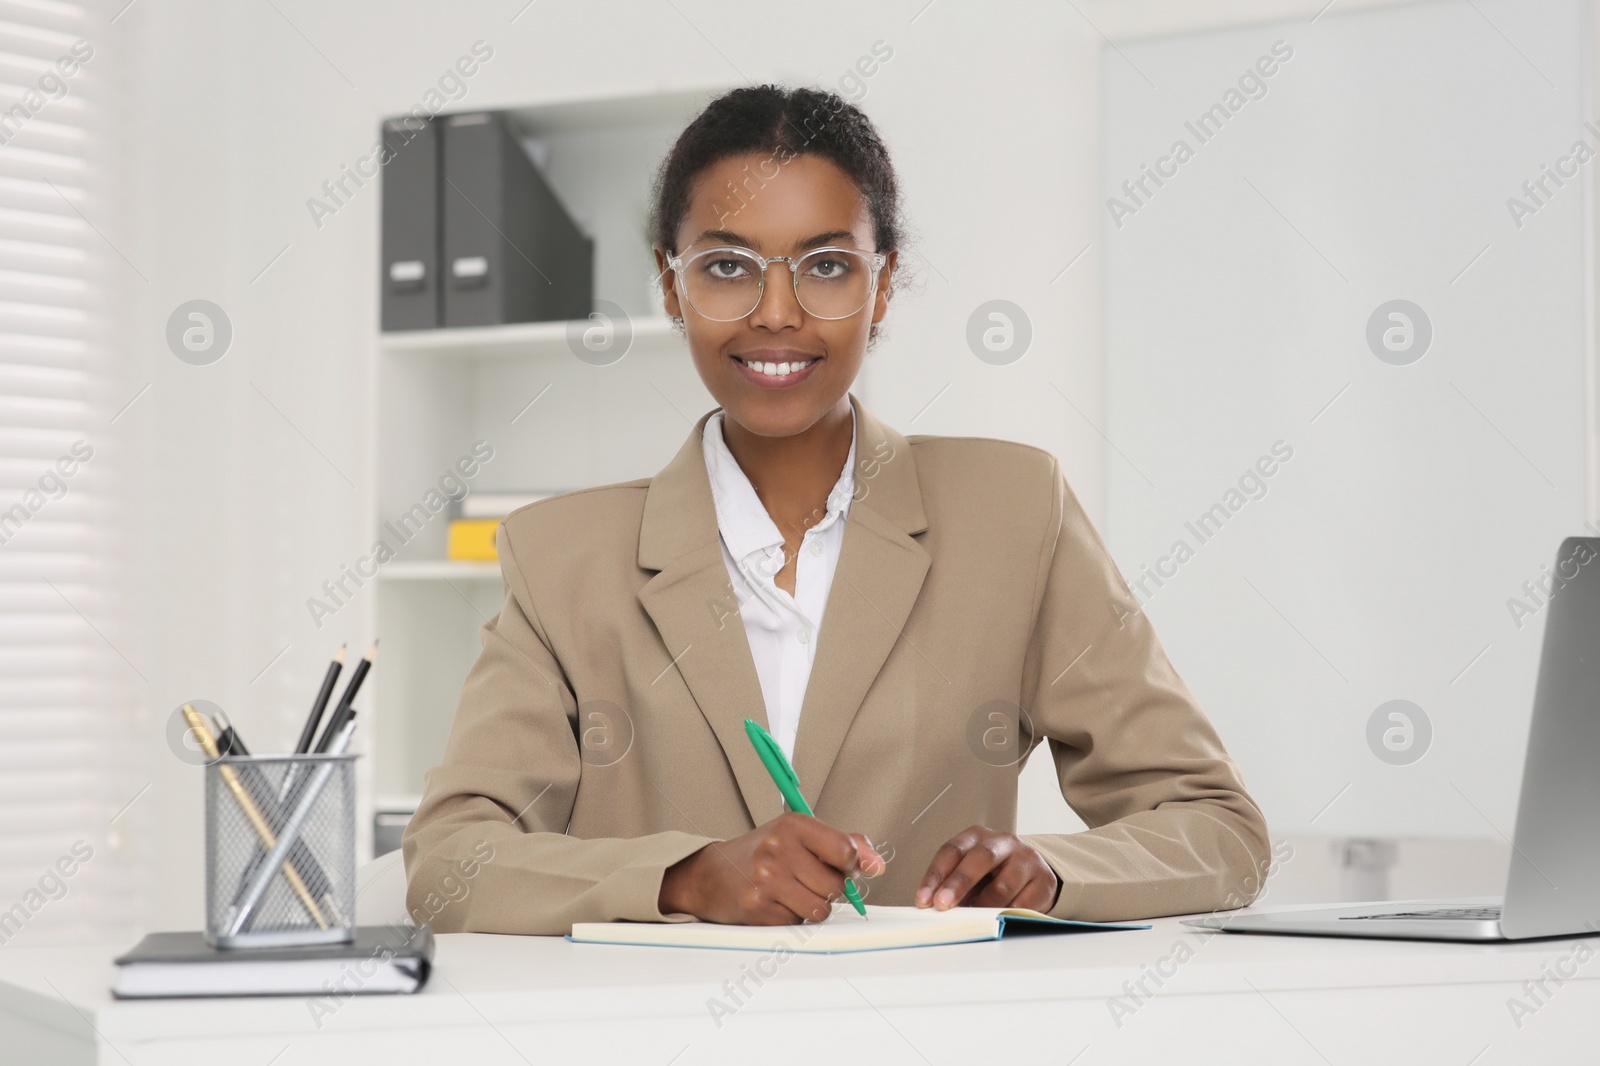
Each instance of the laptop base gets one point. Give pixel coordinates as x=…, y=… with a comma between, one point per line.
x=1474, y=920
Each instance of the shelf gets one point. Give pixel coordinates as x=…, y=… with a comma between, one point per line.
x=439, y=391
x=517, y=340
x=440, y=570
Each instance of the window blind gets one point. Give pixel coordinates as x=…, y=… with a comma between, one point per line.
x=66, y=688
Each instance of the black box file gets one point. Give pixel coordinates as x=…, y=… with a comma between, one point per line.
x=410, y=281
x=511, y=251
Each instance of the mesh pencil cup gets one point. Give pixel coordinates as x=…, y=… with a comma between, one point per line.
x=280, y=850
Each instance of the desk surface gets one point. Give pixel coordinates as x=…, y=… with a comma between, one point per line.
x=521, y=986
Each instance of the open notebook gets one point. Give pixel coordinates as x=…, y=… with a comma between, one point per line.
x=845, y=931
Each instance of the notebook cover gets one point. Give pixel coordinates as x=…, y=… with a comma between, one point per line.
x=1026, y=924
x=1019, y=924
x=190, y=946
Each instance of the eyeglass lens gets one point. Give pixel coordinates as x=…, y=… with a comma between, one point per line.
x=724, y=284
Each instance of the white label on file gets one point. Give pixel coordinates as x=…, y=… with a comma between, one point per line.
x=407, y=270
x=472, y=267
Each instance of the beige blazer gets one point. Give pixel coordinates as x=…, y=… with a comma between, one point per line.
x=975, y=614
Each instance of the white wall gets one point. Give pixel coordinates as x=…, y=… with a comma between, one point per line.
x=255, y=471
x=1376, y=564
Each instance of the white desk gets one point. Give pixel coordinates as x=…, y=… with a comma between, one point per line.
x=493, y=999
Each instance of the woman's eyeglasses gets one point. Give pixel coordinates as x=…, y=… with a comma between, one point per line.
x=725, y=284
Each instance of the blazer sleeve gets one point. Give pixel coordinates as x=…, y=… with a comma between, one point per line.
x=487, y=850
x=1171, y=828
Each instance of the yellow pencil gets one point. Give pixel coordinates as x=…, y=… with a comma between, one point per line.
x=197, y=725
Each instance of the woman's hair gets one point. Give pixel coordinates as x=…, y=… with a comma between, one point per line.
x=783, y=123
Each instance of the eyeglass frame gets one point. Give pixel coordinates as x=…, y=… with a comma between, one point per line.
x=677, y=263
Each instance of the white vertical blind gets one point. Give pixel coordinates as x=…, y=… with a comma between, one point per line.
x=66, y=686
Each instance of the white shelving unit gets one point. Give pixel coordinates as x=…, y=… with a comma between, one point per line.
x=555, y=420
x=520, y=340
x=441, y=570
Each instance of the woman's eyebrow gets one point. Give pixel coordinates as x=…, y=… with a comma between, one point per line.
x=722, y=236
x=833, y=236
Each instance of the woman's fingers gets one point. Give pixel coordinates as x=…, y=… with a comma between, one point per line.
x=983, y=856
x=820, y=869
x=943, y=865
x=869, y=861
x=831, y=846
x=1007, y=885
x=984, y=868
x=782, y=872
x=818, y=877
x=975, y=865
x=806, y=904
x=802, y=863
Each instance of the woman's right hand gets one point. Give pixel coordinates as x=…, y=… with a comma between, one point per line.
x=788, y=871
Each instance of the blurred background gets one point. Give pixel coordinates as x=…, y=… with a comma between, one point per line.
x=1299, y=292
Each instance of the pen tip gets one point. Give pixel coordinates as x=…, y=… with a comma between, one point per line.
x=372, y=652
x=338, y=656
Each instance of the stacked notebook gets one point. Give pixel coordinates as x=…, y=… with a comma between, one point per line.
x=382, y=958
x=844, y=932
x=476, y=518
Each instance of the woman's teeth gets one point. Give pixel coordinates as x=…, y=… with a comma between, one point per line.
x=777, y=369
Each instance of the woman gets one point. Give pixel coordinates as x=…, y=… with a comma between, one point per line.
x=909, y=617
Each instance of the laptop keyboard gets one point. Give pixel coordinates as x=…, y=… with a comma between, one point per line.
x=1453, y=914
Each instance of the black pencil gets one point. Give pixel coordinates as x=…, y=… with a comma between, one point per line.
x=309, y=733
x=340, y=713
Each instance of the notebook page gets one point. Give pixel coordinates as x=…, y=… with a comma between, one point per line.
x=845, y=930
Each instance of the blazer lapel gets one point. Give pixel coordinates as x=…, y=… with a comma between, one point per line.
x=691, y=602
x=879, y=576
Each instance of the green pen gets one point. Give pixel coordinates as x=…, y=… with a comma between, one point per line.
x=788, y=783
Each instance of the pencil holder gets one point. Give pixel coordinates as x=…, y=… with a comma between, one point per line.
x=280, y=850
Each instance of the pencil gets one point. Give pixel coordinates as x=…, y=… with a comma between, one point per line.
x=202, y=734
x=341, y=712
x=231, y=743
x=309, y=732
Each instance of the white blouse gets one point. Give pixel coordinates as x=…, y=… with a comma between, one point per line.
x=782, y=629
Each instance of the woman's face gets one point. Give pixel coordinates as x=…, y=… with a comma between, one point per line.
x=811, y=203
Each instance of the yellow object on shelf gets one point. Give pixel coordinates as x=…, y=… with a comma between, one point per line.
x=472, y=540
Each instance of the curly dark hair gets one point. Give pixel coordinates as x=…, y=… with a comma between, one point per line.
x=783, y=122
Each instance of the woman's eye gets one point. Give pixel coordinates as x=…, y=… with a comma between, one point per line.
x=725, y=269
x=829, y=268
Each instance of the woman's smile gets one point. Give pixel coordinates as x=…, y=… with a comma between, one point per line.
x=775, y=368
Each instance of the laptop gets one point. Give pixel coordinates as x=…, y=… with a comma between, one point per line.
x=1553, y=885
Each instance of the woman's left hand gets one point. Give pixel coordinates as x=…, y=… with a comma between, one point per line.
x=983, y=868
